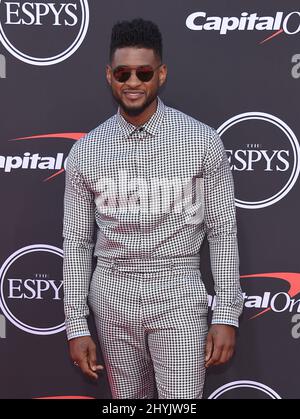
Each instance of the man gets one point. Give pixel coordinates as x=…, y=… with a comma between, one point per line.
x=154, y=181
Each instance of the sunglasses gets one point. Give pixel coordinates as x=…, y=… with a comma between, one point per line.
x=144, y=73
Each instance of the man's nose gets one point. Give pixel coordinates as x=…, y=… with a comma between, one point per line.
x=133, y=80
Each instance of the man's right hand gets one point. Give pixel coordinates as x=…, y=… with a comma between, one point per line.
x=83, y=353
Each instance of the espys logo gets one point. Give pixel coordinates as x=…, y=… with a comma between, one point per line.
x=36, y=161
x=31, y=298
x=43, y=33
x=265, y=170
x=244, y=389
x=289, y=24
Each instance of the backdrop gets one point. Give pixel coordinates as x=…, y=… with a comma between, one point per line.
x=233, y=65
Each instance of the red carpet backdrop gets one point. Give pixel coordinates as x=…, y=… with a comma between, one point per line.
x=234, y=65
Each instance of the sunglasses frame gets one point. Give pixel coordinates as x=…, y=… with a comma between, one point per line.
x=135, y=68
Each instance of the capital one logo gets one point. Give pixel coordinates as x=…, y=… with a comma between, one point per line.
x=35, y=161
x=31, y=289
x=264, y=156
x=281, y=23
x=43, y=33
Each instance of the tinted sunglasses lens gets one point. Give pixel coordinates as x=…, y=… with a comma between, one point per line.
x=122, y=74
x=145, y=73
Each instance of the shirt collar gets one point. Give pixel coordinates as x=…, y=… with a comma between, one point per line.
x=151, y=126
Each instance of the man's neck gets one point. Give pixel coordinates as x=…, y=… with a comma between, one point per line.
x=142, y=118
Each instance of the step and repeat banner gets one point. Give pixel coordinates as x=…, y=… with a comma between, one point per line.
x=234, y=65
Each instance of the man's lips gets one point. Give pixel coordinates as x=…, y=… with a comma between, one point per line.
x=133, y=94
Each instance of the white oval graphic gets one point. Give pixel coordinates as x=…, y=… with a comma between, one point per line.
x=54, y=59
x=242, y=384
x=4, y=307
x=294, y=145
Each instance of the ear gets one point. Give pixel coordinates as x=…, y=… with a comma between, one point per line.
x=162, y=75
x=108, y=74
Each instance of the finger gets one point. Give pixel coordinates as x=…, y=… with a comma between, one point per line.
x=85, y=368
x=215, y=356
x=92, y=359
x=209, y=347
x=225, y=355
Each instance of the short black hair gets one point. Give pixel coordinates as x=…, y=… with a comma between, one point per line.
x=138, y=33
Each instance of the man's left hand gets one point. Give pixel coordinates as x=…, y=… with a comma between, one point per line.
x=220, y=344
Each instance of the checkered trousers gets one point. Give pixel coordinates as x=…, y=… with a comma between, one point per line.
x=152, y=329
x=171, y=148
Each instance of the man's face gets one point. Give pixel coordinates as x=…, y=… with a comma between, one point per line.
x=134, y=95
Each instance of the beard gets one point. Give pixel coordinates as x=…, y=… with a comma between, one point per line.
x=135, y=111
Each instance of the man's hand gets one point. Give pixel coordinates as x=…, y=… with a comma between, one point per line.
x=83, y=352
x=220, y=344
